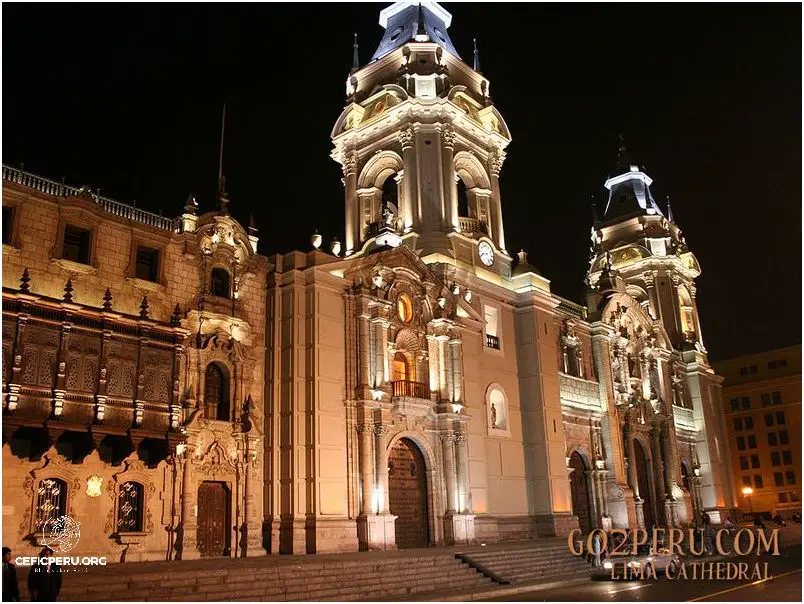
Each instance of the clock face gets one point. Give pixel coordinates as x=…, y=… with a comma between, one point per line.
x=486, y=253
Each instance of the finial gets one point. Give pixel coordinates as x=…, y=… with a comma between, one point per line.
x=252, y=225
x=670, y=211
x=316, y=239
x=476, y=62
x=523, y=256
x=107, y=300
x=191, y=205
x=175, y=318
x=355, y=56
x=144, y=308
x=421, y=32
x=335, y=246
x=24, y=281
x=68, y=290
x=223, y=198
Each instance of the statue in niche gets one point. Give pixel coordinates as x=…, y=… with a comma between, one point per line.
x=493, y=416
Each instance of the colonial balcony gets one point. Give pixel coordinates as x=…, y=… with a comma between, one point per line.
x=410, y=389
x=472, y=226
x=91, y=373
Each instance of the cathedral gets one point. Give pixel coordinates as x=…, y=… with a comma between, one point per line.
x=180, y=395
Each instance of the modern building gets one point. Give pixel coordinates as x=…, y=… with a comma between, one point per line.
x=417, y=385
x=762, y=409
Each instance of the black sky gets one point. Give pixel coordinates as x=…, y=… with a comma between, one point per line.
x=127, y=98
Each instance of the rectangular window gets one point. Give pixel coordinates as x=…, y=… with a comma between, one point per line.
x=743, y=370
x=780, y=418
x=793, y=496
x=755, y=462
x=782, y=497
x=51, y=502
x=775, y=460
x=752, y=441
x=771, y=364
x=129, y=508
x=791, y=477
x=765, y=396
x=738, y=423
x=8, y=224
x=769, y=419
x=749, y=423
x=743, y=462
x=777, y=398
x=492, y=319
x=747, y=481
x=147, y=263
x=735, y=404
x=746, y=403
x=772, y=442
x=753, y=368
x=783, y=438
x=778, y=479
x=741, y=443
x=75, y=245
x=787, y=458
x=757, y=481
x=782, y=362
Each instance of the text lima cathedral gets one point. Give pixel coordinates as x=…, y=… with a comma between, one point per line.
x=181, y=396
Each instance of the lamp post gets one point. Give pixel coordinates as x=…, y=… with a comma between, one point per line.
x=747, y=491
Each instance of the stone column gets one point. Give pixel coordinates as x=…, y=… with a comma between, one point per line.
x=632, y=477
x=189, y=525
x=653, y=300
x=448, y=443
x=455, y=368
x=350, y=184
x=366, y=469
x=496, y=221
x=464, y=505
x=695, y=318
x=450, y=185
x=253, y=526
x=594, y=495
x=381, y=467
x=432, y=356
x=380, y=350
x=658, y=468
x=409, y=206
x=364, y=377
x=444, y=376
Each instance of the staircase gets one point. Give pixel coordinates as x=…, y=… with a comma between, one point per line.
x=526, y=562
x=367, y=576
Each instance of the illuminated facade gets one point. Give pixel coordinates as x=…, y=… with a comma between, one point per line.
x=762, y=407
x=414, y=385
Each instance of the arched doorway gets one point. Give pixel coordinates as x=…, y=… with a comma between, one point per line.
x=407, y=494
x=401, y=373
x=644, y=482
x=580, y=493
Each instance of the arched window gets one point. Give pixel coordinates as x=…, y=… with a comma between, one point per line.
x=219, y=282
x=130, y=508
x=686, y=312
x=497, y=409
x=401, y=373
x=404, y=308
x=51, y=502
x=463, y=199
x=216, y=393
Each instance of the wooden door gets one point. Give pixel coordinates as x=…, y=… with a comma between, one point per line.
x=407, y=494
x=580, y=493
x=644, y=482
x=213, y=519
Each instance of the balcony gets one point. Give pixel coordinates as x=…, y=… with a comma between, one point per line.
x=472, y=226
x=410, y=389
x=492, y=342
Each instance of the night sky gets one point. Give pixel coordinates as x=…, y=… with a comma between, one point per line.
x=127, y=98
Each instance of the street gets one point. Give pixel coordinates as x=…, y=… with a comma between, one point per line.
x=784, y=584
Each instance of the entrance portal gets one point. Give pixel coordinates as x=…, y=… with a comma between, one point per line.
x=214, y=504
x=580, y=493
x=407, y=494
x=644, y=482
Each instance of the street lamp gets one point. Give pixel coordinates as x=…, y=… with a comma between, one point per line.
x=747, y=491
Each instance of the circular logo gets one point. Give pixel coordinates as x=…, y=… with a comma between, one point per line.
x=61, y=534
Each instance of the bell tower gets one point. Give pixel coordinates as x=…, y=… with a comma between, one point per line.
x=422, y=145
x=636, y=247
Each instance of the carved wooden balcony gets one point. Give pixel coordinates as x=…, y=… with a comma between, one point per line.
x=410, y=389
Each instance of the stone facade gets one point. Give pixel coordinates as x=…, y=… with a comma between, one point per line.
x=422, y=388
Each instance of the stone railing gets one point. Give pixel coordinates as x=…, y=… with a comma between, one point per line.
x=410, y=389
x=472, y=225
x=117, y=208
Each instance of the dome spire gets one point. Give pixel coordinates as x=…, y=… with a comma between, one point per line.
x=670, y=211
x=475, y=56
x=355, y=56
x=421, y=31
x=223, y=198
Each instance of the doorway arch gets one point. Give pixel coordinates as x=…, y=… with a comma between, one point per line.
x=579, y=487
x=407, y=494
x=644, y=482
